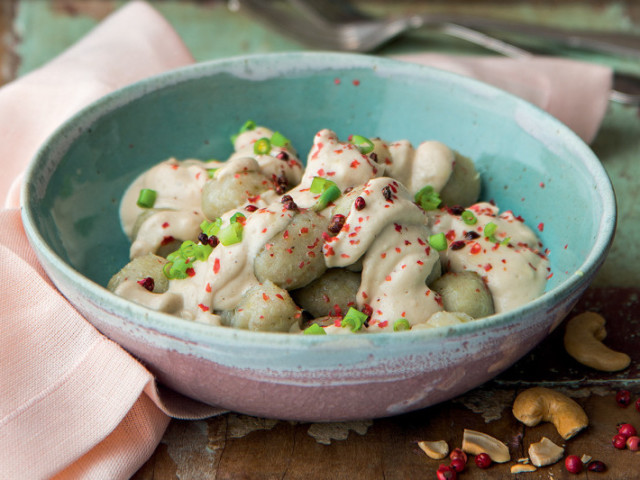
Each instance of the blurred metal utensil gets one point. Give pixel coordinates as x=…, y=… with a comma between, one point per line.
x=338, y=25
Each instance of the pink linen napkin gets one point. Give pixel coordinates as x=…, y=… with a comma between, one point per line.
x=575, y=92
x=74, y=404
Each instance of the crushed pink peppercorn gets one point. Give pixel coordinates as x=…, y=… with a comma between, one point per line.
x=148, y=283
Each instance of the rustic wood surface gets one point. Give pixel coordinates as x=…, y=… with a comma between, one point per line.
x=235, y=446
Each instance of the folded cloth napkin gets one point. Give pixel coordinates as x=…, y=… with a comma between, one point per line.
x=576, y=93
x=74, y=404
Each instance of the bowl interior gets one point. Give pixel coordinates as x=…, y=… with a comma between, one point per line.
x=529, y=162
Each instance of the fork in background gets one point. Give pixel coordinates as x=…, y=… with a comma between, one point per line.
x=338, y=25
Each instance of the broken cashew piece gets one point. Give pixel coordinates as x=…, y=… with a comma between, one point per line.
x=475, y=443
x=583, y=341
x=539, y=404
x=436, y=450
x=521, y=468
x=545, y=452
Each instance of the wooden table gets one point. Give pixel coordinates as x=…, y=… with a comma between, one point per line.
x=234, y=446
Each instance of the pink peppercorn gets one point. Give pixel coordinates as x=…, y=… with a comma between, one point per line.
x=638, y=405
x=483, y=460
x=623, y=398
x=596, y=466
x=619, y=441
x=445, y=472
x=573, y=464
x=148, y=283
x=458, y=454
x=458, y=464
x=336, y=224
x=627, y=430
x=360, y=203
x=633, y=443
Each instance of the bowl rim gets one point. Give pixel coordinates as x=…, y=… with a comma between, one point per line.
x=210, y=335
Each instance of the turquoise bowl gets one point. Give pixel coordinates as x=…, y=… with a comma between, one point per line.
x=529, y=162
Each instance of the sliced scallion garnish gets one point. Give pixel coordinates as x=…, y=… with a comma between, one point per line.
x=438, y=241
x=354, y=319
x=147, y=198
x=237, y=217
x=469, y=218
x=490, y=231
x=231, y=234
x=176, y=269
x=401, y=324
x=211, y=172
x=262, y=146
x=180, y=260
x=319, y=184
x=314, y=329
x=248, y=125
x=328, y=196
x=365, y=145
x=279, y=140
x=427, y=198
x=211, y=228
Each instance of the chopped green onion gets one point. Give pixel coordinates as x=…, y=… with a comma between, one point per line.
x=231, y=234
x=279, y=140
x=187, y=249
x=179, y=261
x=354, y=319
x=203, y=252
x=328, y=196
x=428, y=198
x=211, y=228
x=193, y=251
x=211, y=172
x=319, y=184
x=505, y=241
x=438, y=241
x=236, y=216
x=314, y=329
x=248, y=125
x=363, y=143
x=401, y=324
x=176, y=269
x=469, y=218
x=489, y=232
x=489, y=229
x=146, y=198
x=262, y=146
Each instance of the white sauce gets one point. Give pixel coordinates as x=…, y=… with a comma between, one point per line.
x=390, y=234
x=515, y=273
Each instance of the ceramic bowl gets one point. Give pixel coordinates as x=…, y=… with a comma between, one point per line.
x=529, y=162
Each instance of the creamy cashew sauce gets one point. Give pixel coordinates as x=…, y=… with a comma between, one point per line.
x=388, y=239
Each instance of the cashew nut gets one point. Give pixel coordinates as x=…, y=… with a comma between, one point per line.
x=521, y=468
x=542, y=404
x=545, y=452
x=475, y=443
x=583, y=341
x=436, y=450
